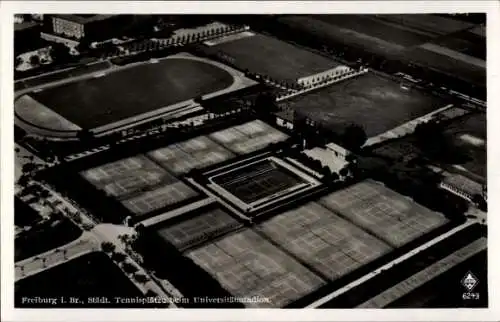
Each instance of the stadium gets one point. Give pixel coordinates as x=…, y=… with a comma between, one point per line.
x=112, y=100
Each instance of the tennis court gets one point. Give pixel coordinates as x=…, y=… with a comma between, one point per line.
x=196, y=230
x=330, y=244
x=195, y=153
x=257, y=181
x=248, y=265
x=395, y=219
x=127, y=176
x=248, y=137
x=164, y=196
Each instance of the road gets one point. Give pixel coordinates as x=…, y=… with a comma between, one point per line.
x=390, y=264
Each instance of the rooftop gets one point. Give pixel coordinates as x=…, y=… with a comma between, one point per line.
x=25, y=25
x=84, y=18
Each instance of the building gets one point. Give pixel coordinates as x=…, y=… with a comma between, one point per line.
x=285, y=118
x=91, y=27
x=338, y=151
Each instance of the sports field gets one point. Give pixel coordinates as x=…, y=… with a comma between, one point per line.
x=257, y=181
x=124, y=177
x=196, y=230
x=270, y=56
x=195, y=153
x=248, y=137
x=133, y=91
x=247, y=265
x=375, y=102
x=140, y=184
x=330, y=244
x=164, y=196
x=384, y=213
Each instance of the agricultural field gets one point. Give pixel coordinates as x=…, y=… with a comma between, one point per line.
x=198, y=229
x=248, y=265
x=393, y=218
x=465, y=42
x=118, y=95
x=331, y=245
x=375, y=102
x=140, y=184
x=90, y=275
x=446, y=64
x=248, y=137
x=270, y=56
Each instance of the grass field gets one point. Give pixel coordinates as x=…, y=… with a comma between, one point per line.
x=86, y=276
x=199, y=152
x=248, y=137
x=383, y=212
x=428, y=23
x=196, y=230
x=446, y=65
x=465, y=42
x=373, y=27
x=377, y=103
x=257, y=181
x=133, y=91
x=330, y=244
x=270, y=56
x=248, y=265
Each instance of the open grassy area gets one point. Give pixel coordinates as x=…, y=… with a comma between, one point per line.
x=465, y=137
x=90, y=275
x=266, y=55
x=133, y=91
x=24, y=215
x=375, y=102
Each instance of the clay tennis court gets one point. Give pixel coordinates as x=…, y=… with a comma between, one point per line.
x=196, y=230
x=140, y=184
x=248, y=137
x=393, y=218
x=195, y=153
x=247, y=265
x=330, y=244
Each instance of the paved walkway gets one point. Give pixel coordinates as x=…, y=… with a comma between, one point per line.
x=177, y=212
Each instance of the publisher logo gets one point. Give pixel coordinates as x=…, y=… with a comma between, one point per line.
x=470, y=281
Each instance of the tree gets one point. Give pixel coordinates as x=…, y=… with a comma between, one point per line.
x=354, y=137
x=59, y=52
x=344, y=171
x=129, y=268
x=118, y=257
x=19, y=61
x=141, y=278
x=35, y=60
x=107, y=247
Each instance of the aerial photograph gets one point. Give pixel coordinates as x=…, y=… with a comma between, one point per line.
x=250, y=161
